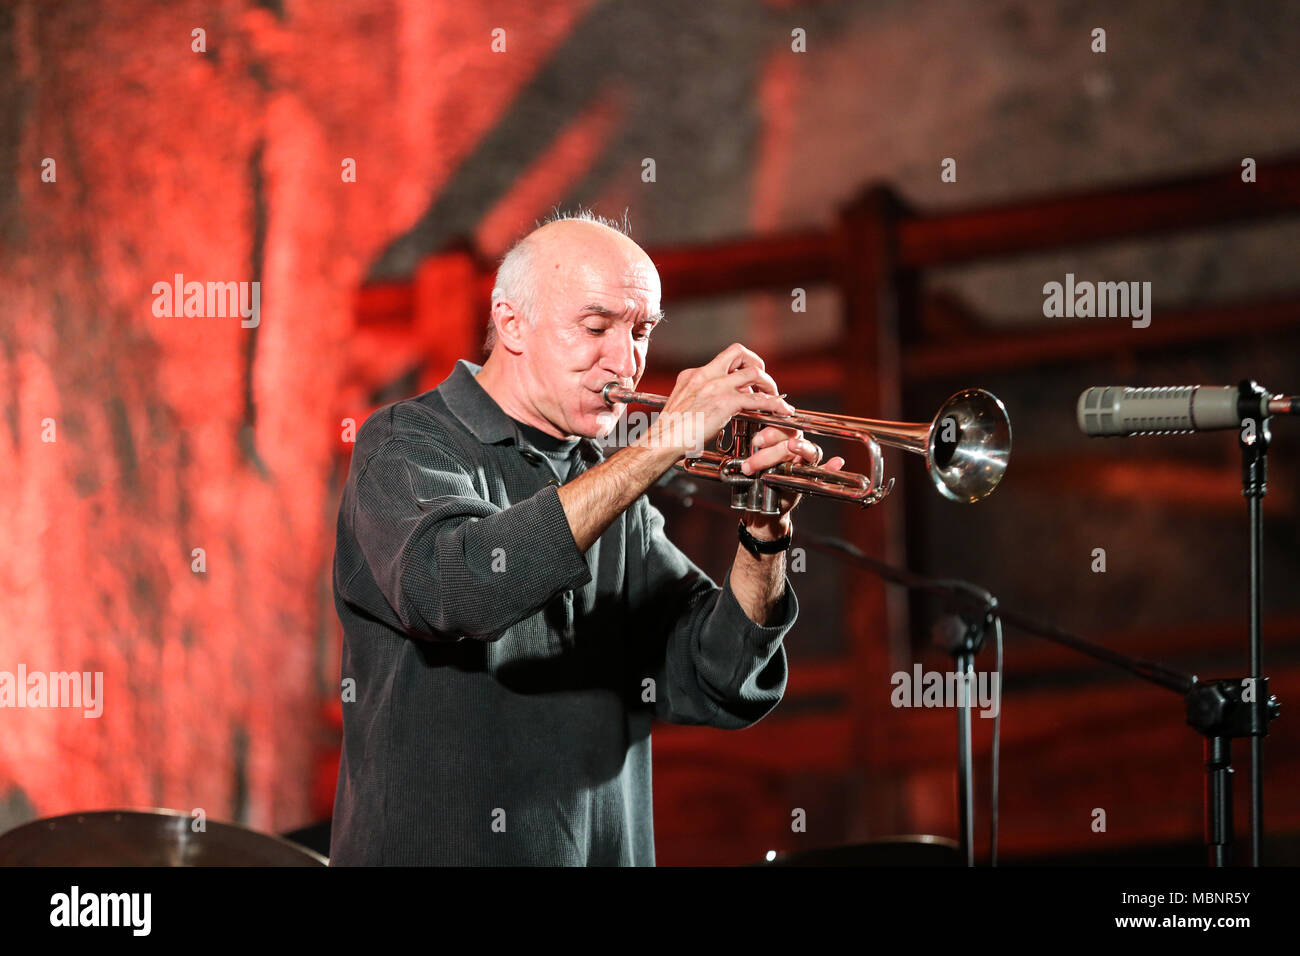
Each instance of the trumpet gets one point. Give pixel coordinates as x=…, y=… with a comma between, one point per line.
x=966, y=447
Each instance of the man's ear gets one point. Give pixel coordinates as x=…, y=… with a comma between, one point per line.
x=510, y=325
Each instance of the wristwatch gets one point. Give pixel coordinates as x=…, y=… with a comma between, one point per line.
x=758, y=547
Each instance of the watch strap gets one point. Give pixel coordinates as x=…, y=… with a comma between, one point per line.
x=758, y=547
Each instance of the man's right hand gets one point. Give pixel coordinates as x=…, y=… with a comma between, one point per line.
x=705, y=399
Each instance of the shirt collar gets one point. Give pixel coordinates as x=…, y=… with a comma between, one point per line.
x=479, y=412
x=475, y=408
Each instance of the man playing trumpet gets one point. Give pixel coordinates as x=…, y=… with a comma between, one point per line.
x=513, y=613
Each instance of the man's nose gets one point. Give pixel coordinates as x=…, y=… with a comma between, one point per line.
x=620, y=355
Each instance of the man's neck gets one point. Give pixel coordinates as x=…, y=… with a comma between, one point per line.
x=502, y=385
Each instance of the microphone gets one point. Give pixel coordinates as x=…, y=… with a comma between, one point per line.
x=1116, y=410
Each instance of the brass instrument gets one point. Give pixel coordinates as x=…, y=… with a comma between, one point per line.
x=966, y=447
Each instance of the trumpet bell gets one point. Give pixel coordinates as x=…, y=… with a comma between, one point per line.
x=968, y=445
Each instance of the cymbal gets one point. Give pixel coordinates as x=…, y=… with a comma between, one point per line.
x=912, y=850
x=145, y=838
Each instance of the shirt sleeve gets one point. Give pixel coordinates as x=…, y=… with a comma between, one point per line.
x=446, y=562
x=710, y=663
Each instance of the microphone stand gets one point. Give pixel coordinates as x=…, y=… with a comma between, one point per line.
x=961, y=630
x=1252, y=720
x=1224, y=710
x=1219, y=709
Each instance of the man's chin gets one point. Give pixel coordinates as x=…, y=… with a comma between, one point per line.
x=601, y=426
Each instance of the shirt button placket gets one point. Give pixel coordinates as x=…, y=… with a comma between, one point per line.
x=534, y=459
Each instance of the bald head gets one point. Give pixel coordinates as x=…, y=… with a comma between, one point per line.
x=564, y=251
x=577, y=240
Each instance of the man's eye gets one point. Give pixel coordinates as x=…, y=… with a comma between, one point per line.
x=639, y=336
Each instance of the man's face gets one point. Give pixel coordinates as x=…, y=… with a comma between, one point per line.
x=594, y=315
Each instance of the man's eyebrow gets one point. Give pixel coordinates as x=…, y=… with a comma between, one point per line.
x=595, y=308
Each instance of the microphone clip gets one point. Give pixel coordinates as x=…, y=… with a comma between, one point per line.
x=1253, y=438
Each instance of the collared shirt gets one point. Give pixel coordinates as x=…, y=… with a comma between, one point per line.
x=498, y=683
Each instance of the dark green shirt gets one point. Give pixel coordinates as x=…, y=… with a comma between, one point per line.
x=502, y=682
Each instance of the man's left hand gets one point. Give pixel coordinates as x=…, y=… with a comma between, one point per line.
x=768, y=448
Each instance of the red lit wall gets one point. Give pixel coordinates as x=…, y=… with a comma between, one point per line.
x=172, y=434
